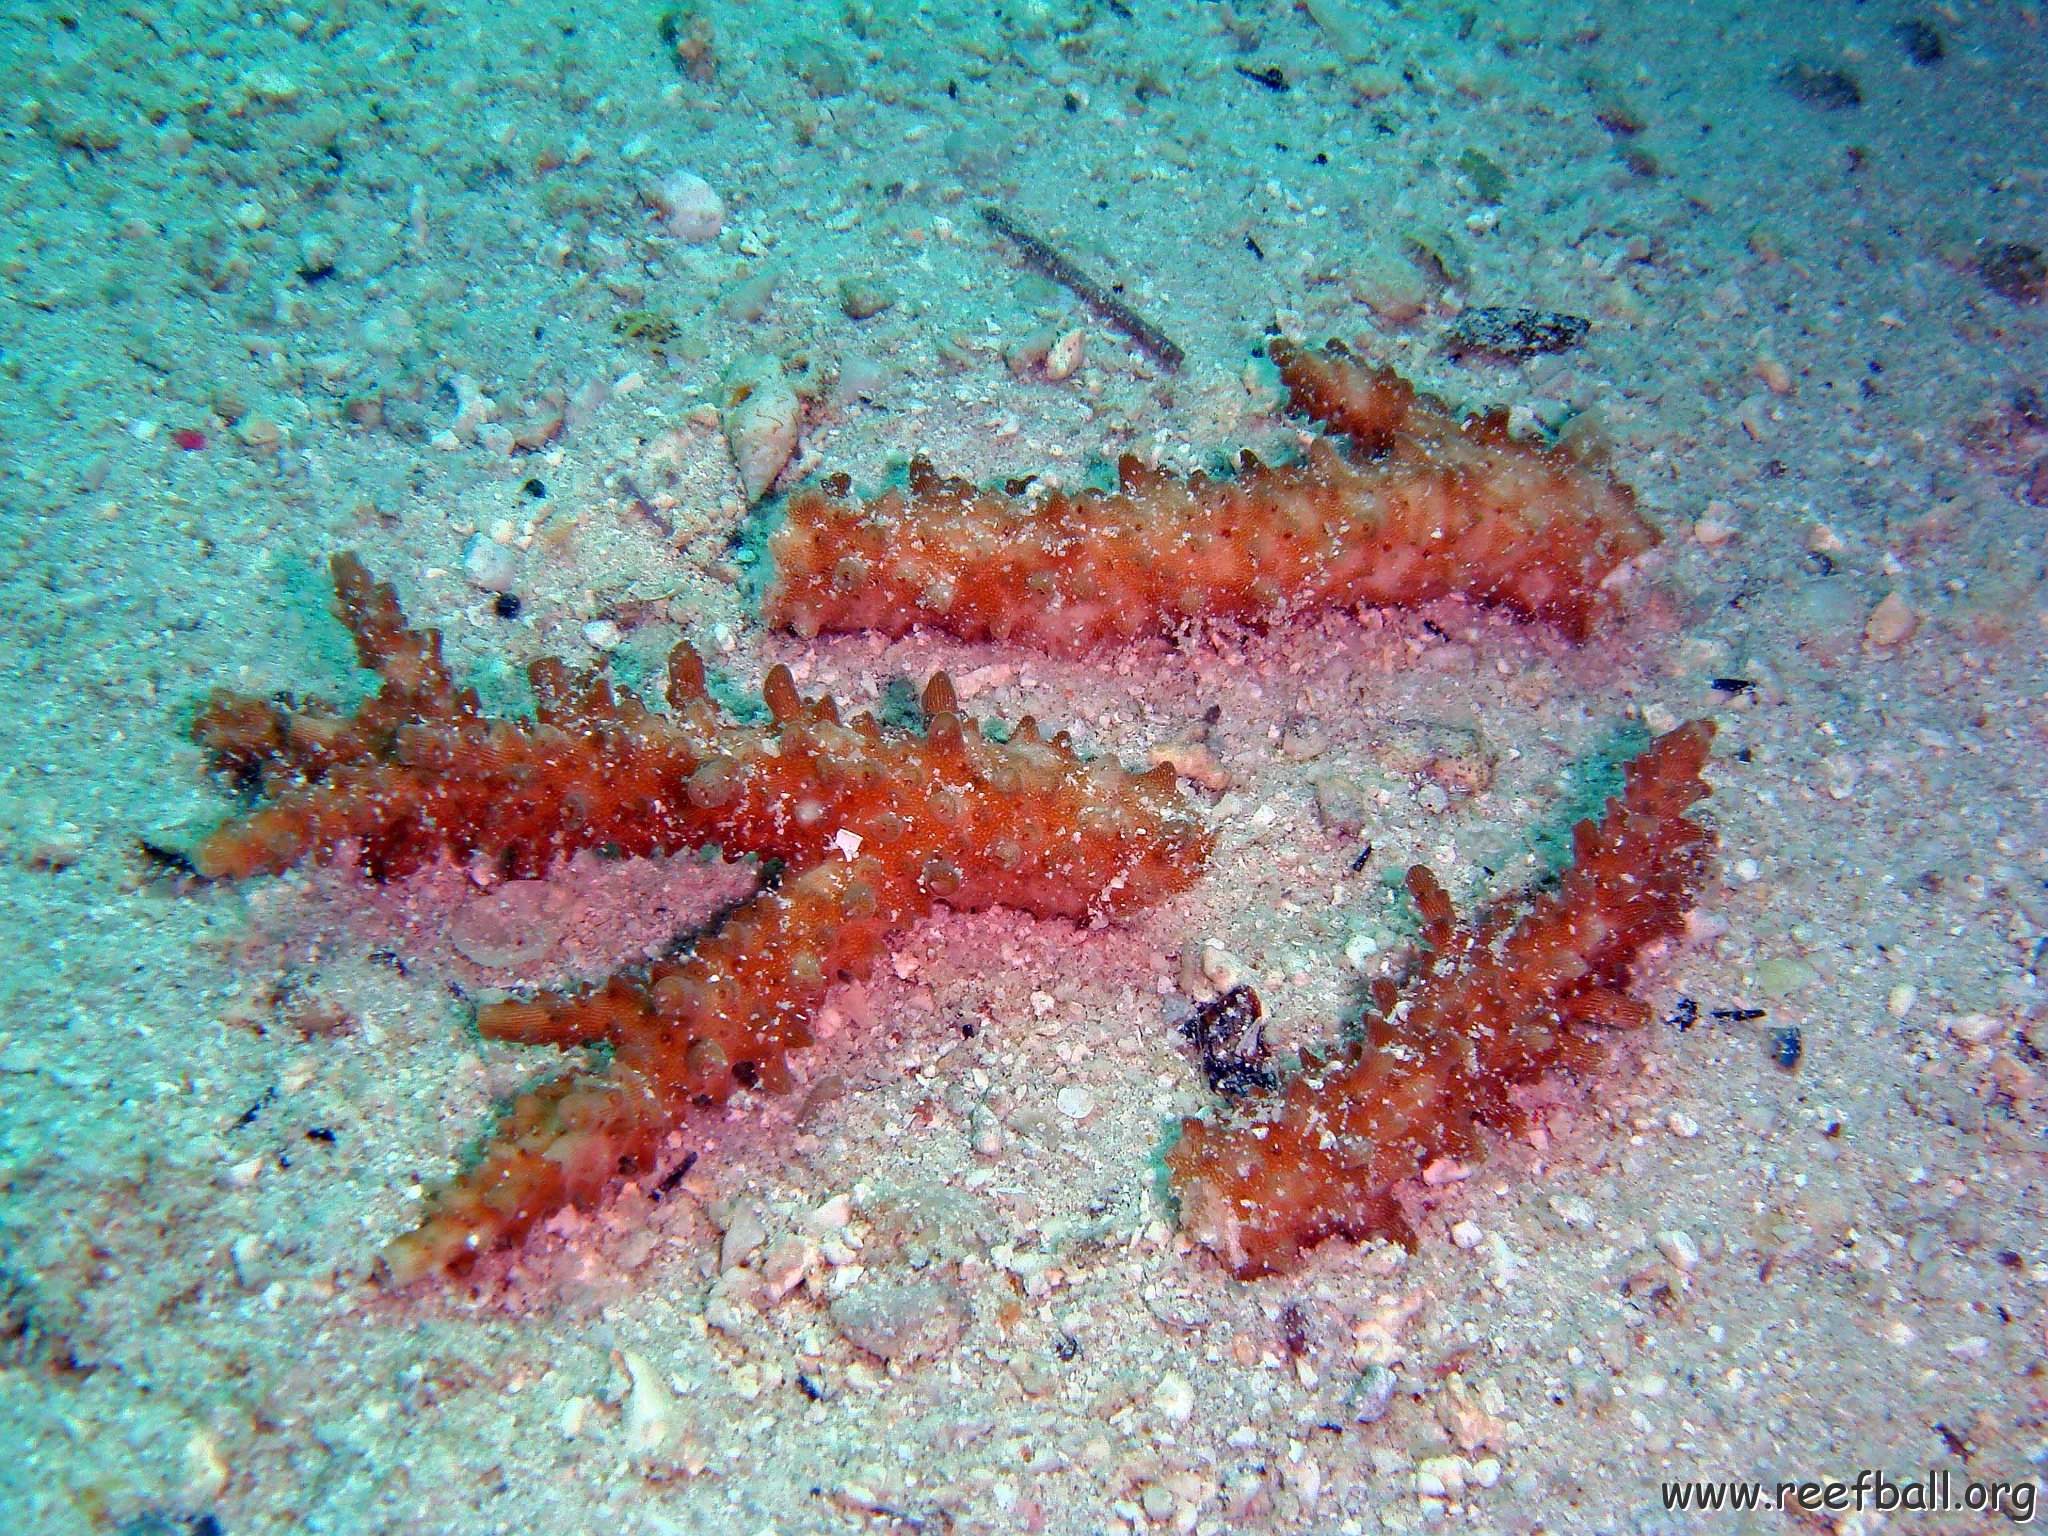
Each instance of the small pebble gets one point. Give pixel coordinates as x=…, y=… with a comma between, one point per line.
x=1063, y=358
x=1892, y=622
x=985, y=1132
x=319, y=250
x=862, y=298
x=1573, y=1211
x=245, y=1251
x=1174, y=1397
x=1713, y=533
x=1208, y=970
x=1823, y=540
x=649, y=1420
x=489, y=565
x=1340, y=804
x=785, y=1265
x=1781, y=976
x=1680, y=1249
x=390, y=329
x=206, y=1471
x=602, y=635
x=1075, y=1103
x=55, y=853
x=744, y=1234
x=1467, y=1234
x=1976, y=1028
x=1359, y=950
x=690, y=208
x=1371, y=1395
x=1900, y=1000
x=832, y=1215
x=1440, y=1477
x=1390, y=286
x=575, y=1415
x=749, y=301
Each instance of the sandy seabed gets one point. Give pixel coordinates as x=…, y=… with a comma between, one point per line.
x=423, y=282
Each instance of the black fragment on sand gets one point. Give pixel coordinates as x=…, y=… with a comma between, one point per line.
x=1827, y=86
x=666, y=1185
x=1922, y=41
x=2014, y=270
x=1514, y=332
x=1232, y=1042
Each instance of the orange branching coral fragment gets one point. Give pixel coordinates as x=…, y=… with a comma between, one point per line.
x=1410, y=506
x=874, y=827
x=1495, y=1005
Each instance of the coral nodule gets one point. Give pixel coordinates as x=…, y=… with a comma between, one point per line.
x=875, y=828
x=1493, y=1005
x=1400, y=504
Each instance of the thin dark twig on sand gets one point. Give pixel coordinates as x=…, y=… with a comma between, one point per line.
x=1042, y=256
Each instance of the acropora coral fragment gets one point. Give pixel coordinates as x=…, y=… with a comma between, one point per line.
x=1401, y=505
x=874, y=829
x=1493, y=1005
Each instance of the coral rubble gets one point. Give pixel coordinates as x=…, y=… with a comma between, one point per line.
x=1412, y=505
x=1493, y=1005
x=873, y=828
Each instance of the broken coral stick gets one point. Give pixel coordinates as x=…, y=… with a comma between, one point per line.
x=1412, y=506
x=874, y=828
x=1493, y=1006
x=1042, y=256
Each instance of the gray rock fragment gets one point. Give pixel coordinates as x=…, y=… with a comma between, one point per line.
x=1514, y=332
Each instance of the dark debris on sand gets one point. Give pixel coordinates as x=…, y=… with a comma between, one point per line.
x=1827, y=86
x=1515, y=332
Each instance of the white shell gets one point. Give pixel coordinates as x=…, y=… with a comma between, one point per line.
x=762, y=418
x=1064, y=357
